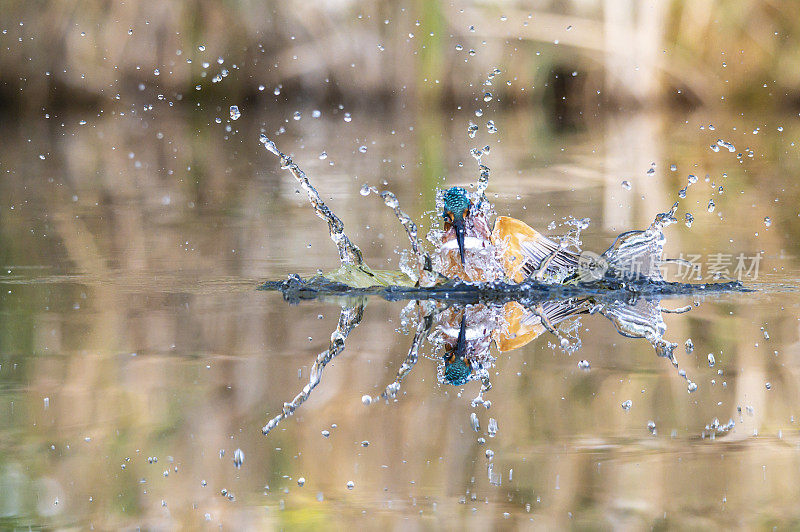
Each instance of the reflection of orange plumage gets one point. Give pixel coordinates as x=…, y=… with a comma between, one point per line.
x=520, y=328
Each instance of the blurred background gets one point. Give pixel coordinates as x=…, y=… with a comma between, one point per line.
x=137, y=217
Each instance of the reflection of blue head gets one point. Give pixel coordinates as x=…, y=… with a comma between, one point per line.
x=456, y=369
x=457, y=372
x=456, y=208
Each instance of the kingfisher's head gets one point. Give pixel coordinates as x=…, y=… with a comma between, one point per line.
x=457, y=369
x=456, y=209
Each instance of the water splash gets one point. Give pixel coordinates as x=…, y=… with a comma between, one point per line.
x=349, y=318
x=349, y=254
x=423, y=271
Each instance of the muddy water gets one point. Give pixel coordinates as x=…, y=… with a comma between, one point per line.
x=136, y=355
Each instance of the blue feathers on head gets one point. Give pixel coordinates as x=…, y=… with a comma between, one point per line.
x=457, y=372
x=455, y=202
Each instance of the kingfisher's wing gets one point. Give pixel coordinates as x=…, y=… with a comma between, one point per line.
x=524, y=249
x=524, y=325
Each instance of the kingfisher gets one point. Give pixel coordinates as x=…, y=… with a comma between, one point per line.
x=468, y=332
x=475, y=250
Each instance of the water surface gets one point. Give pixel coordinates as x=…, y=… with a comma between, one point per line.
x=136, y=355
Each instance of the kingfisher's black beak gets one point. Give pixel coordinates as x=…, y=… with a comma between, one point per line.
x=459, y=227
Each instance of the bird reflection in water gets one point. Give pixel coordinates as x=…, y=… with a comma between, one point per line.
x=463, y=337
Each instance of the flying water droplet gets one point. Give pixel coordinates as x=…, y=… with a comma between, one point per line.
x=711, y=205
x=474, y=422
x=688, y=219
x=350, y=484
x=487, y=97
x=627, y=405
x=297, y=115
x=711, y=360
x=235, y=113
x=626, y=185
x=689, y=346
x=491, y=429
x=364, y=191
x=584, y=365
x=238, y=458
x=651, y=426
x=767, y=221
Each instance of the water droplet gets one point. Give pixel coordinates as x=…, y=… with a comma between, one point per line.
x=489, y=454
x=711, y=205
x=688, y=219
x=316, y=113
x=362, y=149
x=364, y=191
x=459, y=47
x=491, y=429
x=689, y=346
x=627, y=405
x=692, y=179
x=651, y=426
x=347, y=117
x=301, y=481
x=238, y=458
x=487, y=97
x=326, y=433
x=201, y=48
x=626, y=185
x=130, y=31
x=366, y=399
x=569, y=28
x=479, y=112
x=692, y=387
x=767, y=221
x=297, y=115
x=711, y=360
x=584, y=365
x=673, y=167
x=323, y=156
x=474, y=422
x=277, y=91
x=235, y=113
x=714, y=148
x=350, y=484
x=768, y=386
